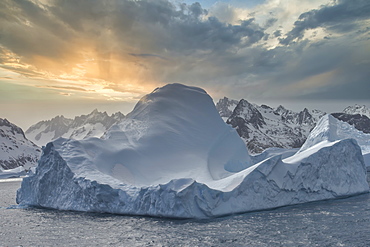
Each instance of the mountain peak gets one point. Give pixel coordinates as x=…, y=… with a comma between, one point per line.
x=226, y=107
x=280, y=110
x=357, y=109
x=94, y=111
x=13, y=128
x=246, y=114
x=304, y=117
x=15, y=149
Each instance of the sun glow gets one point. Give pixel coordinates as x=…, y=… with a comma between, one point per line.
x=111, y=76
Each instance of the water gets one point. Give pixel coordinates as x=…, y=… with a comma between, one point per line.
x=343, y=222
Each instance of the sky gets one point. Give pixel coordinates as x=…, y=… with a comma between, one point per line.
x=67, y=57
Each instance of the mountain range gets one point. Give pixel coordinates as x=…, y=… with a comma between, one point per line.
x=81, y=127
x=262, y=127
x=357, y=109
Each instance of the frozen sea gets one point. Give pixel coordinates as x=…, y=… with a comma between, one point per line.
x=342, y=222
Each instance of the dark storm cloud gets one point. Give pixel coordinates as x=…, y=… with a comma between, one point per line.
x=23, y=30
x=277, y=33
x=168, y=26
x=54, y=36
x=342, y=17
x=270, y=22
x=145, y=55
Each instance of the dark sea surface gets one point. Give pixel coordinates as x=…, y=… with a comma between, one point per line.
x=342, y=222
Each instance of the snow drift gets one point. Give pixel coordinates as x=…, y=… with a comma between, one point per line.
x=173, y=156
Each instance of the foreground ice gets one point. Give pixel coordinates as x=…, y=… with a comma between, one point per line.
x=13, y=173
x=173, y=156
x=330, y=129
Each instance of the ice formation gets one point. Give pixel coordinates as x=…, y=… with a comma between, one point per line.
x=173, y=156
x=330, y=129
x=13, y=173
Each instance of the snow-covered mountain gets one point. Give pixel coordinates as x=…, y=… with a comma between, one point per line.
x=94, y=124
x=15, y=149
x=174, y=156
x=262, y=127
x=360, y=122
x=226, y=107
x=357, y=109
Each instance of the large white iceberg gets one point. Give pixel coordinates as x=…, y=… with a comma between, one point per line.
x=173, y=156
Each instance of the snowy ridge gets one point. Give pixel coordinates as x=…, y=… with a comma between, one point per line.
x=15, y=149
x=173, y=156
x=92, y=125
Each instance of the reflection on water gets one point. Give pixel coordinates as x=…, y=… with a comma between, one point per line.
x=343, y=222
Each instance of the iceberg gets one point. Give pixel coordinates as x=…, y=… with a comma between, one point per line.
x=173, y=156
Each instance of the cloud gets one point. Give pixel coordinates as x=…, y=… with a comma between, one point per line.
x=112, y=40
x=124, y=46
x=277, y=33
x=270, y=22
x=143, y=55
x=66, y=88
x=340, y=18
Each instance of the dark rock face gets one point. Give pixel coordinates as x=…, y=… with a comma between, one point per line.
x=226, y=106
x=262, y=127
x=249, y=114
x=13, y=128
x=304, y=117
x=360, y=122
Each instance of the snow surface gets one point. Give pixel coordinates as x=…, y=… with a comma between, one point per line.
x=173, y=156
